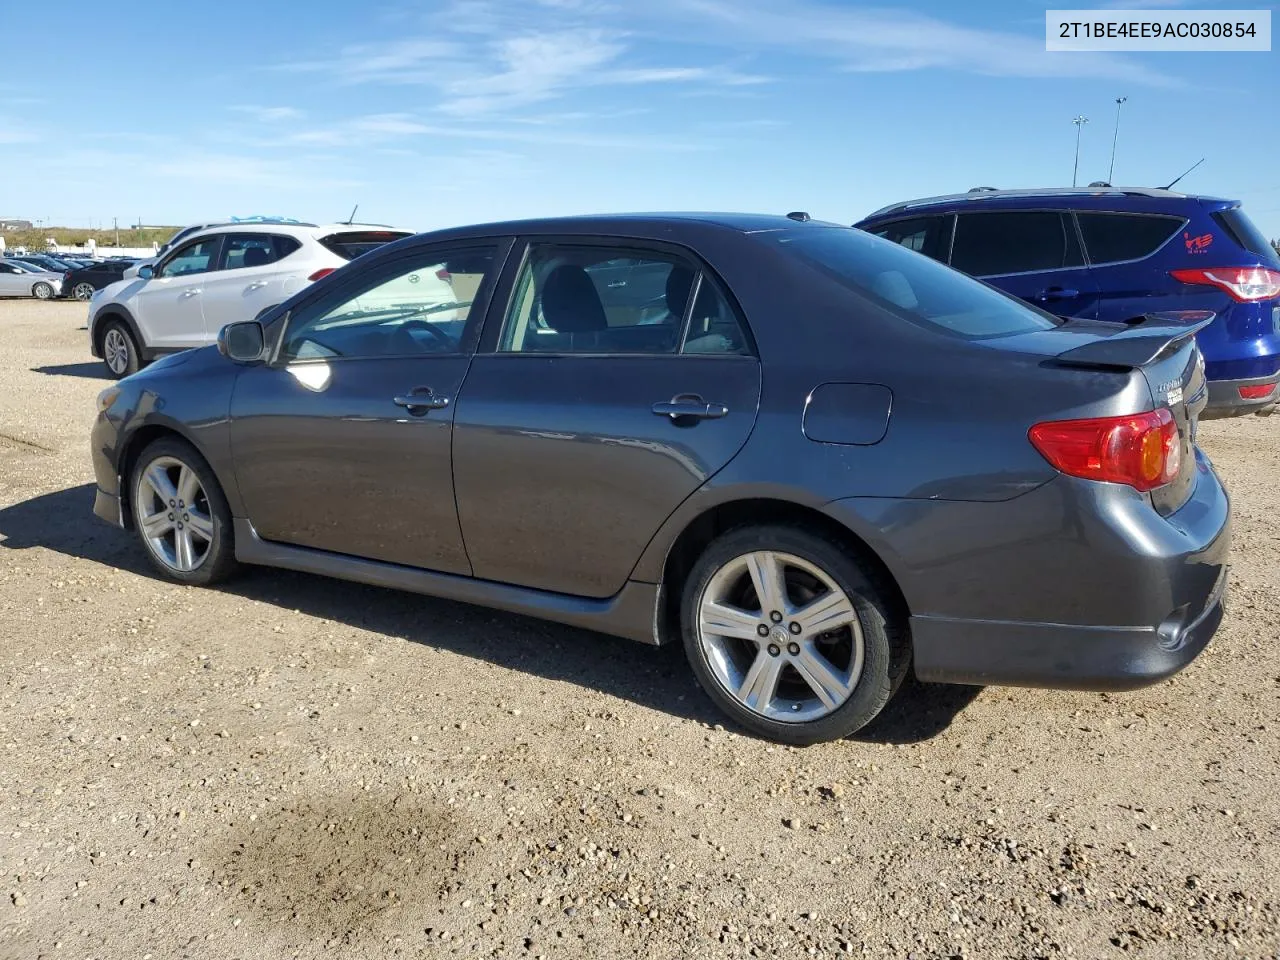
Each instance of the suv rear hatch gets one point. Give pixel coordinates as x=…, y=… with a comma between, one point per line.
x=1163, y=349
x=349, y=244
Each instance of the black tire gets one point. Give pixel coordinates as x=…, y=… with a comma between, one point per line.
x=219, y=561
x=42, y=291
x=83, y=291
x=132, y=359
x=886, y=641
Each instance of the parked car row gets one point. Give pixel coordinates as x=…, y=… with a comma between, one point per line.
x=813, y=457
x=46, y=277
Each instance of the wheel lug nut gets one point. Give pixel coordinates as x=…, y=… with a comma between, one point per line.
x=776, y=617
x=172, y=504
x=171, y=517
x=774, y=650
x=763, y=630
x=793, y=649
x=794, y=628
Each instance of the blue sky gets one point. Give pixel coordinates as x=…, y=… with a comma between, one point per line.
x=437, y=113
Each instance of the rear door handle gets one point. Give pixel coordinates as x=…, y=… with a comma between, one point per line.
x=689, y=405
x=188, y=293
x=1057, y=293
x=421, y=400
x=257, y=285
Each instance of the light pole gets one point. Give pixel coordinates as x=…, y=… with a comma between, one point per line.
x=1120, y=101
x=1079, y=121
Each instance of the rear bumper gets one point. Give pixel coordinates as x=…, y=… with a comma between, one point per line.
x=1225, y=399
x=1073, y=585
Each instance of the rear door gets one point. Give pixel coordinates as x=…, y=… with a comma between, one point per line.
x=1033, y=254
x=250, y=277
x=581, y=426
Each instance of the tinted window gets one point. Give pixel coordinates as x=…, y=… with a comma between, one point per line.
x=914, y=288
x=601, y=300
x=413, y=306
x=1243, y=232
x=988, y=244
x=197, y=257
x=1114, y=237
x=255, y=250
x=350, y=244
x=928, y=235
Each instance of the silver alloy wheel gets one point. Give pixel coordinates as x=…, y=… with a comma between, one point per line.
x=42, y=291
x=173, y=513
x=83, y=291
x=115, y=351
x=780, y=636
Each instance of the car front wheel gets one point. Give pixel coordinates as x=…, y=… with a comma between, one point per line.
x=181, y=515
x=792, y=635
x=83, y=291
x=119, y=350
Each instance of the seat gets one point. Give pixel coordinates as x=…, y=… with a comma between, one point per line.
x=256, y=257
x=570, y=302
x=679, y=283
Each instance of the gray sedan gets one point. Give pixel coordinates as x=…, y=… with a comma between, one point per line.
x=21, y=279
x=815, y=459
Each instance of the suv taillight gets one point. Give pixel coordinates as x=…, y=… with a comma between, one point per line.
x=1142, y=450
x=323, y=272
x=1245, y=284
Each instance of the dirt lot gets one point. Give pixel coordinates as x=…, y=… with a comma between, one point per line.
x=294, y=767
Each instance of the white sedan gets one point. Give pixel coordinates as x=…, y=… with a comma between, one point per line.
x=20, y=279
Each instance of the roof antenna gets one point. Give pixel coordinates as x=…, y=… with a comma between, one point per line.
x=1192, y=167
x=351, y=219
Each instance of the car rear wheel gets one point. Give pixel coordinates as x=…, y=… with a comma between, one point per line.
x=791, y=635
x=181, y=515
x=119, y=350
x=83, y=291
x=42, y=291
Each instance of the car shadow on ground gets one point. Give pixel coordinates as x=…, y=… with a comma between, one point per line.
x=657, y=678
x=90, y=371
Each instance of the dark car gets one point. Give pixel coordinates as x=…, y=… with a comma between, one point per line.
x=824, y=459
x=1117, y=254
x=82, y=282
x=52, y=264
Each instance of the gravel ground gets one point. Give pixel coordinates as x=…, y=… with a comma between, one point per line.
x=295, y=767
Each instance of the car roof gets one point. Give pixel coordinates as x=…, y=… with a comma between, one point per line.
x=1063, y=197
x=627, y=224
x=289, y=227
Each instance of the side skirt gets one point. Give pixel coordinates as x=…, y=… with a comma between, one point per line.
x=631, y=613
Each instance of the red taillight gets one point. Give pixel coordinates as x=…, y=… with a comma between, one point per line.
x=324, y=272
x=1245, y=284
x=1142, y=450
x=1256, y=391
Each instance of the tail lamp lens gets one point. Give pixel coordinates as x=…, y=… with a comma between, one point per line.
x=1143, y=450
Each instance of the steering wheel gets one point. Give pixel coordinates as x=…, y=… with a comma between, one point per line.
x=403, y=332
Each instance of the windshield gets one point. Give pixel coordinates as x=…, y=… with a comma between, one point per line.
x=909, y=284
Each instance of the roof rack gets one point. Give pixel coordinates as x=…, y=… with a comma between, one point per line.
x=978, y=194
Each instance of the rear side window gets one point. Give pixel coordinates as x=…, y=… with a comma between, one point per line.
x=912, y=287
x=1241, y=229
x=350, y=244
x=255, y=249
x=991, y=244
x=928, y=235
x=1116, y=237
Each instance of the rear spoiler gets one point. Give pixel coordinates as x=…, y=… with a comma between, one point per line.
x=1140, y=343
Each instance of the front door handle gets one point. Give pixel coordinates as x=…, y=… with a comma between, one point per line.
x=689, y=405
x=420, y=400
x=1057, y=293
x=188, y=293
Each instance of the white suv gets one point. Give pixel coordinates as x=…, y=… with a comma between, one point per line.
x=213, y=277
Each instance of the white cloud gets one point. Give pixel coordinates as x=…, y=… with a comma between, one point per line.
x=15, y=135
x=269, y=114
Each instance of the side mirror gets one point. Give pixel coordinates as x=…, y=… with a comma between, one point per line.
x=146, y=272
x=242, y=342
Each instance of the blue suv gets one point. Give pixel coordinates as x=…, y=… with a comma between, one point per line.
x=1116, y=254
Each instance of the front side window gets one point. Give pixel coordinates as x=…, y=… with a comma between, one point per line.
x=1116, y=237
x=912, y=287
x=928, y=235
x=197, y=257
x=605, y=300
x=992, y=244
x=421, y=305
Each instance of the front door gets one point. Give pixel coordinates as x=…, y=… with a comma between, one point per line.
x=169, y=306
x=588, y=423
x=1033, y=254
x=343, y=442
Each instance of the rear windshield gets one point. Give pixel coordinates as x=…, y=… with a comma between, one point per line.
x=910, y=284
x=352, y=243
x=1243, y=232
